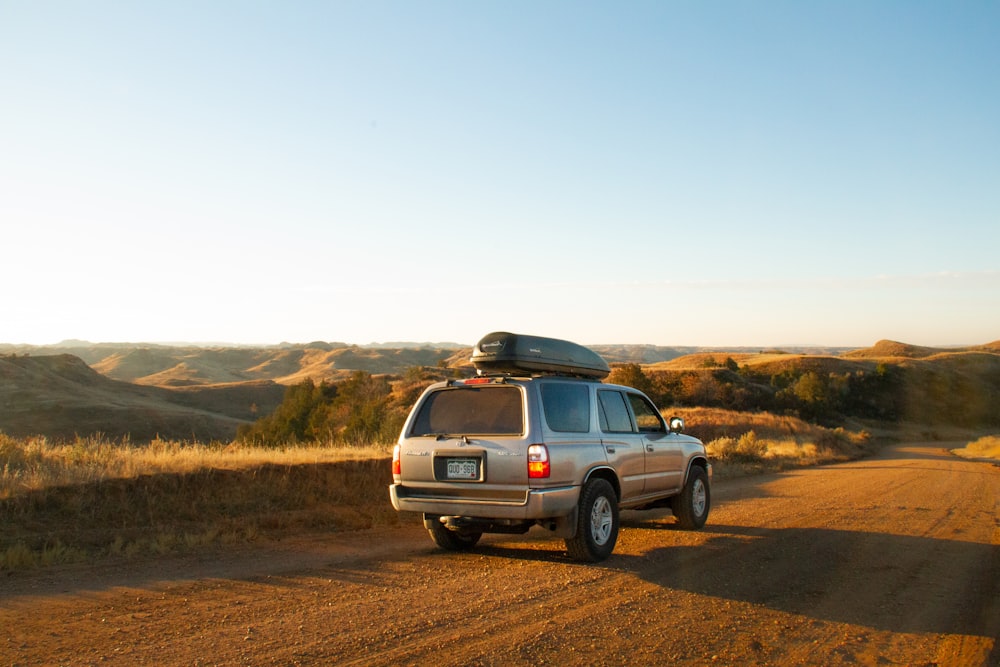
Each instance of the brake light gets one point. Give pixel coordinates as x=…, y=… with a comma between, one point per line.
x=478, y=381
x=538, y=462
x=396, y=467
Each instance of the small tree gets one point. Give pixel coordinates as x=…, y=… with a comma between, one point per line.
x=631, y=375
x=294, y=420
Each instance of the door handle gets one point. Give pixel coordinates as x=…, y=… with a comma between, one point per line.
x=611, y=450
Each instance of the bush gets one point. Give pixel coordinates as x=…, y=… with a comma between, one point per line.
x=747, y=448
x=359, y=411
x=299, y=417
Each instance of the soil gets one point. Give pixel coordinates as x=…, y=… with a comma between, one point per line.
x=890, y=560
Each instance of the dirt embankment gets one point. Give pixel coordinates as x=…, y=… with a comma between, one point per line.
x=857, y=563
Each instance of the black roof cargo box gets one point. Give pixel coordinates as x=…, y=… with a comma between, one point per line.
x=503, y=352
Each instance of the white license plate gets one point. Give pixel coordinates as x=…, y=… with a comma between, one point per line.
x=463, y=469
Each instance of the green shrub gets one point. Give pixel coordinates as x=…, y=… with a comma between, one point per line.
x=361, y=410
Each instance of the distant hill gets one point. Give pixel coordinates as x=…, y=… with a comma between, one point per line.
x=59, y=396
x=181, y=366
x=887, y=349
x=190, y=365
x=192, y=392
x=959, y=385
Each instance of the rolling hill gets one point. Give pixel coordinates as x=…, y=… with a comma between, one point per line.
x=191, y=365
x=190, y=392
x=185, y=366
x=959, y=385
x=60, y=397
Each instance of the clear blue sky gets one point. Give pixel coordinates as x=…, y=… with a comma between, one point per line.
x=673, y=173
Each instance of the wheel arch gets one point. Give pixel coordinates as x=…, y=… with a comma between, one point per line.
x=605, y=473
x=699, y=461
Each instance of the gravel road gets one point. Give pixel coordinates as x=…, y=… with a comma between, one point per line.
x=894, y=560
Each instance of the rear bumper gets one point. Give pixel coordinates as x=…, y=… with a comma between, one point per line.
x=536, y=503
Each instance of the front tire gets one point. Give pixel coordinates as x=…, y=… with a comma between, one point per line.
x=450, y=540
x=692, y=505
x=597, y=523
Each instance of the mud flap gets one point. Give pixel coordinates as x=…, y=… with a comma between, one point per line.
x=565, y=526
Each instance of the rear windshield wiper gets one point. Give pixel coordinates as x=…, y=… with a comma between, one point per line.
x=448, y=436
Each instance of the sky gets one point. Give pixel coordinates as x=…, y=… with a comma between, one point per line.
x=727, y=173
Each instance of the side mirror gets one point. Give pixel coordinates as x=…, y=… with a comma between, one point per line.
x=676, y=425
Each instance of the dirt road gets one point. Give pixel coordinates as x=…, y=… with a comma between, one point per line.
x=891, y=560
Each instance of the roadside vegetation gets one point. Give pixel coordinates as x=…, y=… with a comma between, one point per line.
x=987, y=447
x=320, y=461
x=821, y=390
x=96, y=498
x=29, y=465
x=741, y=443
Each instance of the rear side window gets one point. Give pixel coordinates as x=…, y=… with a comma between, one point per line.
x=480, y=410
x=614, y=415
x=566, y=406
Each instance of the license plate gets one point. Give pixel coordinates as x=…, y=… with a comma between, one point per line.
x=463, y=469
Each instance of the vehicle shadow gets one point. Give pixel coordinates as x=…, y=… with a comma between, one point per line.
x=897, y=583
x=889, y=582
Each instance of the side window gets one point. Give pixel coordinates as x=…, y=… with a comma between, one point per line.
x=566, y=406
x=614, y=415
x=646, y=416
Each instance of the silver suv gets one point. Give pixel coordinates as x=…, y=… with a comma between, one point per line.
x=537, y=439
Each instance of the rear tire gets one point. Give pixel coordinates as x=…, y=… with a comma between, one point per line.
x=450, y=540
x=596, y=524
x=692, y=505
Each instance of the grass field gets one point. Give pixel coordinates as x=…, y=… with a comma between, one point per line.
x=34, y=464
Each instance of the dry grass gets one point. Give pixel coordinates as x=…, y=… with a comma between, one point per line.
x=32, y=464
x=744, y=443
x=987, y=447
x=96, y=498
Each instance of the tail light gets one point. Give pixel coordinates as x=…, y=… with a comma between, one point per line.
x=396, y=467
x=538, y=462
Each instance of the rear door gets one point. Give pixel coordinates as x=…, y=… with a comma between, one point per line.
x=622, y=443
x=469, y=437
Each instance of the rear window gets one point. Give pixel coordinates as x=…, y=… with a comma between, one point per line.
x=480, y=410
